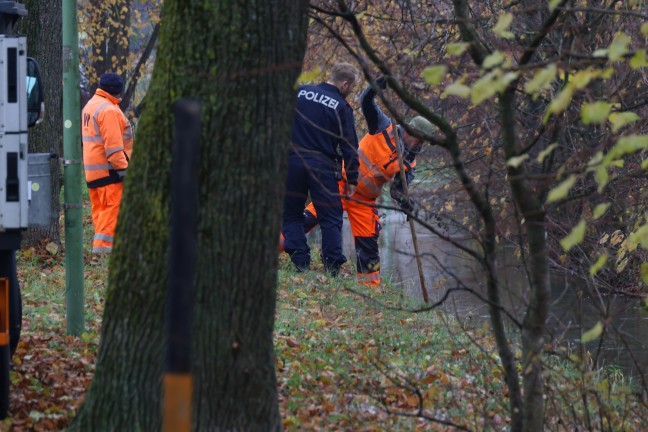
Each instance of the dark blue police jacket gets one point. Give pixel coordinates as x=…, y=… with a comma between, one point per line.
x=323, y=123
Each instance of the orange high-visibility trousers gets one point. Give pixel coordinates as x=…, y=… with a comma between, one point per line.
x=365, y=227
x=105, y=201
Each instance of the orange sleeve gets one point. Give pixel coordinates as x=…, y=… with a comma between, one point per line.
x=394, y=167
x=110, y=125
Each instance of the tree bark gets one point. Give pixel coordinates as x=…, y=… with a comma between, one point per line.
x=44, y=43
x=534, y=325
x=240, y=59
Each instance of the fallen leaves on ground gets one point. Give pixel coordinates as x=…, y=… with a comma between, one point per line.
x=49, y=376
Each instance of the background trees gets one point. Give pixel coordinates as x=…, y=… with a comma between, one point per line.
x=241, y=62
x=538, y=125
x=540, y=149
x=119, y=36
x=43, y=29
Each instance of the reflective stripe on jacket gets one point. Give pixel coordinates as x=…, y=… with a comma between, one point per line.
x=378, y=163
x=107, y=140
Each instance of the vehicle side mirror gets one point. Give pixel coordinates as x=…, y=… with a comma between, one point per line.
x=35, y=97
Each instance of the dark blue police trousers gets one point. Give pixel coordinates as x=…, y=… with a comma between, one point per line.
x=315, y=174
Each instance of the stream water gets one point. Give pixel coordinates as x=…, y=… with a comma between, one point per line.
x=624, y=344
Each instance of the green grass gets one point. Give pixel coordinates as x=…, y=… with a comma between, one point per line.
x=348, y=358
x=340, y=349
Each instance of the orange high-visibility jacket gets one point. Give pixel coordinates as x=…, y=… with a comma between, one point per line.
x=107, y=140
x=378, y=163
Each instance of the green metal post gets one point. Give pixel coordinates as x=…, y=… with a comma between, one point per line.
x=72, y=172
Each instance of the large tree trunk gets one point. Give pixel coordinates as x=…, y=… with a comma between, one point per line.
x=44, y=42
x=240, y=59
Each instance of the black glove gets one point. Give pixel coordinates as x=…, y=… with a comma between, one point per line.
x=381, y=82
x=407, y=204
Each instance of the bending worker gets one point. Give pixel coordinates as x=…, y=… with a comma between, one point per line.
x=323, y=128
x=107, y=147
x=378, y=165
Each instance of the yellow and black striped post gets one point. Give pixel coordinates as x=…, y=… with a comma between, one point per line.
x=178, y=381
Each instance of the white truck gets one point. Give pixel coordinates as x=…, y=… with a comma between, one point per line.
x=25, y=184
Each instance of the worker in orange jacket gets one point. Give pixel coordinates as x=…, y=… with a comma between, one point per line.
x=107, y=146
x=378, y=166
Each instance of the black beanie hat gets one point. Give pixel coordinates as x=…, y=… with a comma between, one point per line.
x=112, y=83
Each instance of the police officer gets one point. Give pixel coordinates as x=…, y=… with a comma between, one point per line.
x=378, y=166
x=323, y=134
